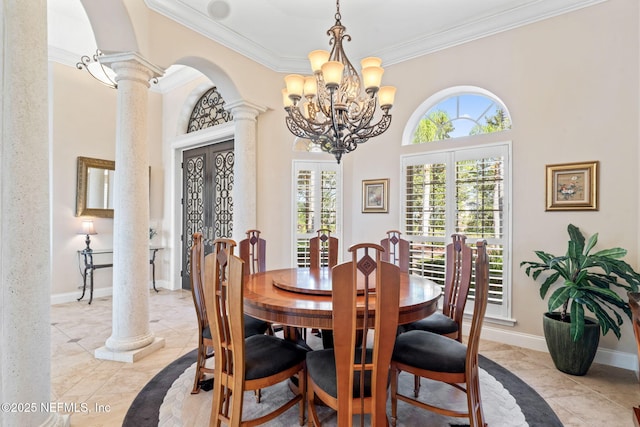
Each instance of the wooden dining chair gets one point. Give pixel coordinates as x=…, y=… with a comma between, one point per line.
x=243, y=364
x=253, y=251
x=443, y=359
x=396, y=250
x=323, y=249
x=459, y=261
x=352, y=378
x=323, y=252
x=205, y=343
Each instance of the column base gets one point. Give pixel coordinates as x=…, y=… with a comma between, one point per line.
x=129, y=356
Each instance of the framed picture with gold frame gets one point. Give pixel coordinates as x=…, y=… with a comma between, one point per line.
x=375, y=195
x=572, y=187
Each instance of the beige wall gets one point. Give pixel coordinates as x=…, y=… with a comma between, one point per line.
x=570, y=83
x=84, y=124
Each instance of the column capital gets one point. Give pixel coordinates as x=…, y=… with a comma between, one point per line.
x=244, y=109
x=131, y=66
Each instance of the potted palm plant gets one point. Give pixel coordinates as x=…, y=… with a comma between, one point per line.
x=586, y=280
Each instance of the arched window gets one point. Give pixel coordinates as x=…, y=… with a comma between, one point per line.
x=462, y=188
x=458, y=112
x=208, y=111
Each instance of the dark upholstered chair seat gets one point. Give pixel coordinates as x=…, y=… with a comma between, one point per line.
x=252, y=326
x=429, y=351
x=437, y=323
x=321, y=366
x=259, y=353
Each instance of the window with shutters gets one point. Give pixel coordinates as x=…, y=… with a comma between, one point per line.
x=461, y=188
x=459, y=191
x=317, y=204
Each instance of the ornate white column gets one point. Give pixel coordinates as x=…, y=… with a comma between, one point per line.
x=25, y=231
x=131, y=338
x=245, y=170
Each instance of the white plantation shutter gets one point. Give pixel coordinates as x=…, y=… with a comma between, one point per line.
x=463, y=191
x=317, y=204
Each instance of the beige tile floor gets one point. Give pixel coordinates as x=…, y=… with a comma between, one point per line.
x=605, y=396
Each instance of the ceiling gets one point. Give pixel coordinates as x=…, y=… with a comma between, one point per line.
x=280, y=33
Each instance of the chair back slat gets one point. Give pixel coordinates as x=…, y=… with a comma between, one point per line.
x=323, y=249
x=253, y=251
x=396, y=250
x=224, y=306
x=216, y=278
x=459, y=263
x=197, y=279
x=476, y=415
x=360, y=286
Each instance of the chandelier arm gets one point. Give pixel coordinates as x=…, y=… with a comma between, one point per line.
x=311, y=126
x=301, y=127
x=355, y=122
x=374, y=130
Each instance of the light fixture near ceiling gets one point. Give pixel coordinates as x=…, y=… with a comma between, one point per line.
x=98, y=71
x=336, y=114
x=101, y=72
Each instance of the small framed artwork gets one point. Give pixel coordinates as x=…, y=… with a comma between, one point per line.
x=375, y=196
x=572, y=187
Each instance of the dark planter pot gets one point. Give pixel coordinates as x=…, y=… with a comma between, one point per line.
x=571, y=357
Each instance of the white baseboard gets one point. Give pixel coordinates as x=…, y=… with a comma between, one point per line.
x=97, y=293
x=604, y=356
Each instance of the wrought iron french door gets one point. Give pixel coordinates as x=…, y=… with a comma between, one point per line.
x=207, y=203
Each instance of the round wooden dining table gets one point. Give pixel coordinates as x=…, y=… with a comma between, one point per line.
x=301, y=297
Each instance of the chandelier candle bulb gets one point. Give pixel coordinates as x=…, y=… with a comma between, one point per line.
x=332, y=73
x=295, y=85
x=386, y=96
x=372, y=77
x=286, y=100
x=317, y=58
x=370, y=61
x=310, y=86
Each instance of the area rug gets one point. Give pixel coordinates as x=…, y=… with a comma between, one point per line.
x=507, y=401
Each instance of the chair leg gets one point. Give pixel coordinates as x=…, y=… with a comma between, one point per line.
x=312, y=416
x=200, y=361
x=474, y=402
x=394, y=395
x=302, y=389
x=216, y=405
x=416, y=385
x=258, y=394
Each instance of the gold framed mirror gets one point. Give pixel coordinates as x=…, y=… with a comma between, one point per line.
x=94, y=194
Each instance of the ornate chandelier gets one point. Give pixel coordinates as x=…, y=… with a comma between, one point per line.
x=336, y=113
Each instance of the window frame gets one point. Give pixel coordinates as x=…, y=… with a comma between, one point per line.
x=450, y=156
x=318, y=166
x=435, y=99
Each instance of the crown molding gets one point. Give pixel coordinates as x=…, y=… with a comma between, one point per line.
x=533, y=11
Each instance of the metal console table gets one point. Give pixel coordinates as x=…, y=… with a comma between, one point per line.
x=90, y=267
